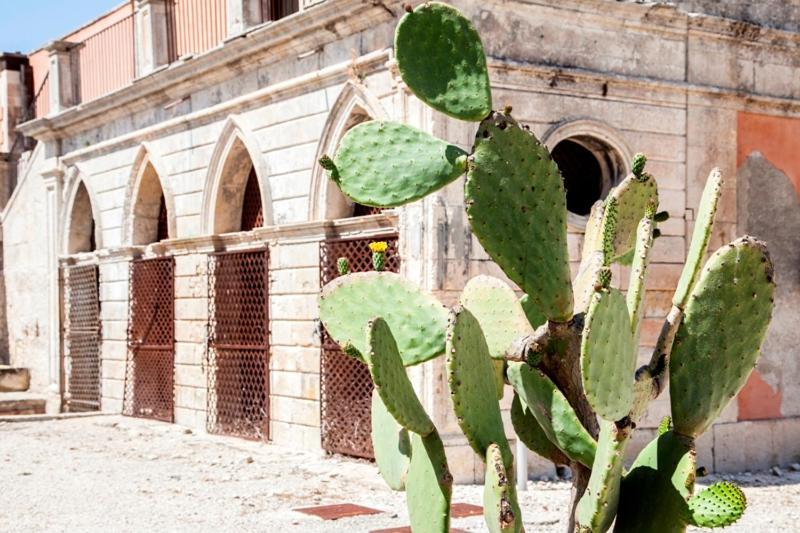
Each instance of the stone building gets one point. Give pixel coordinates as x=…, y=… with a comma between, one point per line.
x=169, y=228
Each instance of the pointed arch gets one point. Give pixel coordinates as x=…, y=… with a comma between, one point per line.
x=235, y=160
x=149, y=204
x=80, y=224
x=354, y=105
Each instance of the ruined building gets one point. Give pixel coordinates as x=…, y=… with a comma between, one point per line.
x=166, y=229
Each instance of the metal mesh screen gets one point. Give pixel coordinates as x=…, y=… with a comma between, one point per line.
x=81, y=338
x=150, y=371
x=345, y=384
x=238, y=370
x=252, y=213
x=361, y=210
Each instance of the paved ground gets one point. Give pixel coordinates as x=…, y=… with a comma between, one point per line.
x=122, y=474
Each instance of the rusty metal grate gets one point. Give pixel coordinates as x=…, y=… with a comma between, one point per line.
x=81, y=338
x=345, y=384
x=252, y=212
x=361, y=210
x=150, y=370
x=337, y=511
x=238, y=370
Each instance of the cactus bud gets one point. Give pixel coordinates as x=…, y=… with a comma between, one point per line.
x=343, y=266
x=665, y=425
x=656, y=233
x=378, y=255
x=637, y=165
x=408, y=8
x=327, y=163
x=661, y=216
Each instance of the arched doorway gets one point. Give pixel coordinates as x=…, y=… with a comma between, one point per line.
x=150, y=369
x=81, y=308
x=238, y=292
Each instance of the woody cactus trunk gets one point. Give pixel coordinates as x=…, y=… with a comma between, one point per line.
x=567, y=347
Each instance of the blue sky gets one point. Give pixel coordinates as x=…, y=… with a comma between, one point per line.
x=28, y=24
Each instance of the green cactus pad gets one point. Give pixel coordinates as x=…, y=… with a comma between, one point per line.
x=719, y=505
x=586, y=280
x=440, y=57
x=535, y=317
x=632, y=197
x=703, y=225
x=391, y=444
x=493, y=303
x=593, y=233
x=608, y=355
x=724, y=323
x=636, y=284
x=386, y=164
x=656, y=488
x=429, y=485
x=517, y=208
x=598, y=505
x=391, y=381
x=472, y=386
x=417, y=320
x=531, y=433
x=500, y=507
x=553, y=412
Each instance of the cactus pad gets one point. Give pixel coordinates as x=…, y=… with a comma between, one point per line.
x=417, y=320
x=535, y=317
x=724, y=323
x=391, y=445
x=553, y=412
x=501, y=510
x=391, y=381
x=429, y=485
x=598, y=505
x=636, y=284
x=531, y=433
x=700, y=236
x=632, y=198
x=655, y=490
x=472, y=388
x=387, y=164
x=517, y=208
x=440, y=57
x=493, y=303
x=719, y=505
x=608, y=355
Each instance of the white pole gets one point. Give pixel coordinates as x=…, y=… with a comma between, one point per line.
x=521, y=465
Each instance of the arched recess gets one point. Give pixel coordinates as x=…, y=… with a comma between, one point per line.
x=149, y=205
x=593, y=157
x=236, y=169
x=81, y=230
x=354, y=105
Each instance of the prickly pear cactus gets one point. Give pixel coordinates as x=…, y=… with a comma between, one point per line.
x=568, y=348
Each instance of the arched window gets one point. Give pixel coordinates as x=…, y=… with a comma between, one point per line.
x=592, y=159
x=150, y=220
x=236, y=196
x=354, y=105
x=81, y=223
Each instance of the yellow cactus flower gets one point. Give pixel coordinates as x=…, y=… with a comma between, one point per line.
x=379, y=246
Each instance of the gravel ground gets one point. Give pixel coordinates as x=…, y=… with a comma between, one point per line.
x=123, y=474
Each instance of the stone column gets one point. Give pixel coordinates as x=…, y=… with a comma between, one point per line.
x=64, y=76
x=243, y=15
x=52, y=178
x=151, y=36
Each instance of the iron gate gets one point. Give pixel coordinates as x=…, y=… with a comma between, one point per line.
x=345, y=383
x=238, y=344
x=150, y=372
x=81, y=338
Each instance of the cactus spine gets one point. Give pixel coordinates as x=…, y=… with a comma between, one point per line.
x=567, y=347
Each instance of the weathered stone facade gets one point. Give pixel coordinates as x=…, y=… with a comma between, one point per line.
x=624, y=77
